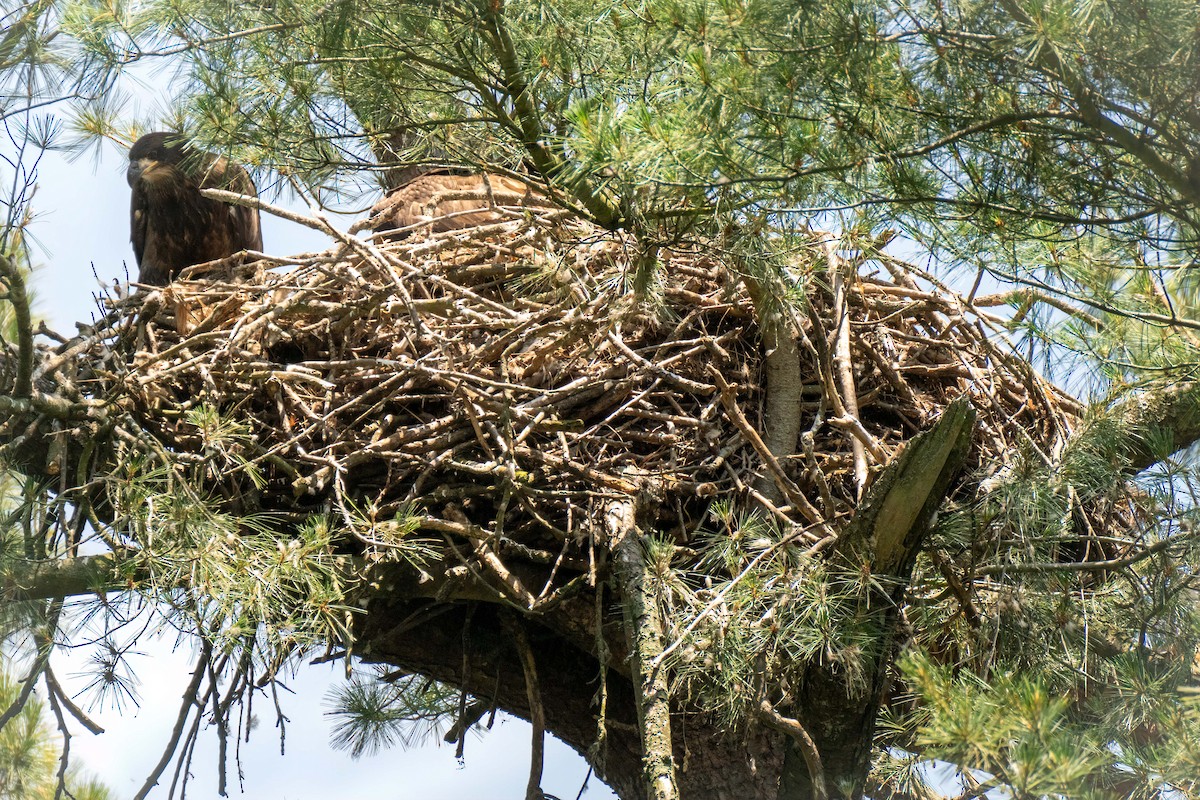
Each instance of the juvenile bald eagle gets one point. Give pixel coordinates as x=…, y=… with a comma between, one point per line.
x=172, y=225
x=451, y=201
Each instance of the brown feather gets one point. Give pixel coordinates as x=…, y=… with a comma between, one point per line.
x=451, y=202
x=172, y=225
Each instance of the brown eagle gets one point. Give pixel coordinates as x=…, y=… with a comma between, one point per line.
x=450, y=201
x=172, y=225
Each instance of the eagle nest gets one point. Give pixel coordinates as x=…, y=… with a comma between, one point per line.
x=506, y=380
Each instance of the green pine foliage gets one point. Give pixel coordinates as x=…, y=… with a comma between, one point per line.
x=239, y=577
x=29, y=758
x=378, y=711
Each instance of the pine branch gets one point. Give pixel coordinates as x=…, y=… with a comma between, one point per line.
x=1088, y=100
x=126, y=571
x=644, y=629
x=18, y=298
x=529, y=125
x=1132, y=425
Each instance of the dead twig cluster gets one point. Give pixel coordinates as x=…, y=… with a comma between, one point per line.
x=503, y=384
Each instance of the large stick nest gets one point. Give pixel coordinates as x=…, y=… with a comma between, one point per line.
x=510, y=376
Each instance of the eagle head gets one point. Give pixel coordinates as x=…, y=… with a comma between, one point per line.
x=154, y=149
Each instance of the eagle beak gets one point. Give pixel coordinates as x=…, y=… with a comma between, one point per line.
x=135, y=170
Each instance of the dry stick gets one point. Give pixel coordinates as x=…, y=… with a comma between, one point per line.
x=658, y=369
x=54, y=688
x=862, y=436
x=479, y=538
x=890, y=372
x=511, y=582
x=790, y=490
x=1078, y=566
x=236, y=199
x=537, y=712
x=774, y=510
x=808, y=748
x=613, y=482
x=562, y=552
x=599, y=748
x=952, y=582
x=473, y=415
x=842, y=360
x=64, y=758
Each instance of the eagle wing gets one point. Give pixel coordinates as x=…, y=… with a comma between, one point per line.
x=450, y=202
x=138, y=222
x=241, y=224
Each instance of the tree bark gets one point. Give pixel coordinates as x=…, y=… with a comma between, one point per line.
x=784, y=384
x=885, y=534
x=644, y=629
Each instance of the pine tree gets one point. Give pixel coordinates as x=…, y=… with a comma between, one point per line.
x=727, y=463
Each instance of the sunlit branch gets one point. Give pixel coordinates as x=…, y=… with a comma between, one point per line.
x=18, y=298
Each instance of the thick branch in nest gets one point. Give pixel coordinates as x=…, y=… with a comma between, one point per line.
x=644, y=628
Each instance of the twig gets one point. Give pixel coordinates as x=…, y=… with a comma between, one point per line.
x=1078, y=566
x=790, y=490
x=54, y=688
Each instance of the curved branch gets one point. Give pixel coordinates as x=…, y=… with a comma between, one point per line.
x=808, y=748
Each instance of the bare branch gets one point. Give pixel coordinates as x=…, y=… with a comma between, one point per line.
x=808, y=748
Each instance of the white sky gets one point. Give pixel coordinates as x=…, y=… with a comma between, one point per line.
x=83, y=228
